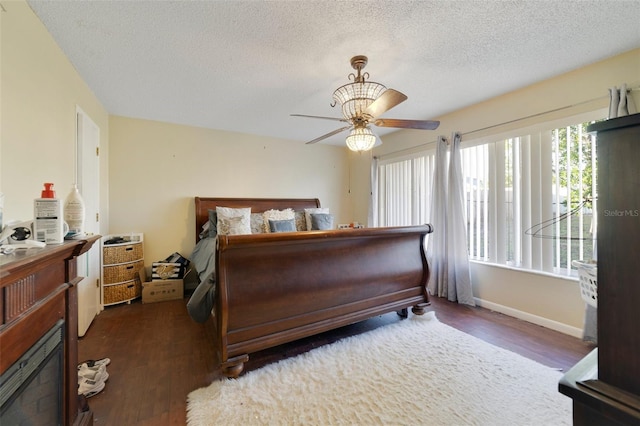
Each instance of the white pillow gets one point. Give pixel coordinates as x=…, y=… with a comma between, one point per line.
x=308, y=212
x=272, y=214
x=234, y=221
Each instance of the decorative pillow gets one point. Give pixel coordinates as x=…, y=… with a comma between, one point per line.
x=231, y=226
x=257, y=223
x=285, y=214
x=307, y=214
x=321, y=221
x=301, y=221
x=285, y=225
x=233, y=221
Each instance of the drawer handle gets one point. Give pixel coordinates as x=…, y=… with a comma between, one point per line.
x=129, y=248
x=129, y=267
x=130, y=286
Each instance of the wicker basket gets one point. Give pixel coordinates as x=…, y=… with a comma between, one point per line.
x=588, y=274
x=123, y=272
x=122, y=254
x=119, y=293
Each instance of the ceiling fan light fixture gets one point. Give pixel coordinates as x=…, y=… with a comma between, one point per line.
x=362, y=103
x=355, y=98
x=361, y=139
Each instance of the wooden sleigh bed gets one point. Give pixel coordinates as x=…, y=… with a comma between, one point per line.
x=274, y=288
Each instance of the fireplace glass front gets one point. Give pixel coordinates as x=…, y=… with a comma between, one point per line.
x=31, y=389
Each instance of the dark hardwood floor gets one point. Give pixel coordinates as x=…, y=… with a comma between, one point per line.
x=158, y=354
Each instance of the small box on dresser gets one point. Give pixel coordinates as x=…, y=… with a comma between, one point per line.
x=122, y=258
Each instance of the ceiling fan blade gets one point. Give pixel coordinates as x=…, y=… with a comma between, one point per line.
x=407, y=124
x=318, y=116
x=328, y=135
x=385, y=102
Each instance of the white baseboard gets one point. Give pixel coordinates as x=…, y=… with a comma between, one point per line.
x=535, y=319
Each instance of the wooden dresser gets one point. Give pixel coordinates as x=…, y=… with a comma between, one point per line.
x=605, y=385
x=38, y=291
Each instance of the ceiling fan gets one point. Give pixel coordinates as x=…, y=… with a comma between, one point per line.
x=363, y=102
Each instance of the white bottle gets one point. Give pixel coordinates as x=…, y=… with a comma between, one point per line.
x=74, y=212
x=48, y=225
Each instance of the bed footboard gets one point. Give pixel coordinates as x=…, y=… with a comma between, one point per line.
x=276, y=288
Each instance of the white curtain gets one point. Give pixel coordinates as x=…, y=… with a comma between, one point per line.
x=447, y=248
x=372, y=219
x=620, y=102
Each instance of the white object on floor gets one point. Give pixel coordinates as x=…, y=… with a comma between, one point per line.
x=97, y=374
x=89, y=388
x=95, y=363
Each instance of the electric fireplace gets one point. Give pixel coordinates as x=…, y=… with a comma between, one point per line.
x=39, y=336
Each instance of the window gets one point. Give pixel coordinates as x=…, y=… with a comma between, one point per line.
x=529, y=195
x=404, y=190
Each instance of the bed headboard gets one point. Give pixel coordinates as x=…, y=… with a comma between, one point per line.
x=258, y=205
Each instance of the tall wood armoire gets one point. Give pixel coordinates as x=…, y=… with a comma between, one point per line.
x=605, y=385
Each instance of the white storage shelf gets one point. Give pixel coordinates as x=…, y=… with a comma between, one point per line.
x=120, y=265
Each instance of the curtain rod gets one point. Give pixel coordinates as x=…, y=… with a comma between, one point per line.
x=631, y=89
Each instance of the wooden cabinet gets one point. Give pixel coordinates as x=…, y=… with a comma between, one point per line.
x=38, y=294
x=121, y=262
x=605, y=385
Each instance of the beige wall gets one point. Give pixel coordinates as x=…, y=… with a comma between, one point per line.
x=40, y=91
x=551, y=301
x=156, y=169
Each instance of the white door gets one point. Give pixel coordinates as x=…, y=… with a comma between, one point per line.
x=88, y=181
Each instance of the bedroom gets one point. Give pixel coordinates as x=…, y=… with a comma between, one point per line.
x=146, y=165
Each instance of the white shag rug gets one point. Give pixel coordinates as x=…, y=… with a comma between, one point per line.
x=413, y=372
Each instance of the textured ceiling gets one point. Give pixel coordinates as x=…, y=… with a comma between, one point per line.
x=246, y=65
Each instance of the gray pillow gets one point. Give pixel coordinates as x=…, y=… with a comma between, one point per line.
x=213, y=223
x=285, y=225
x=321, y=221
x=204, y=231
